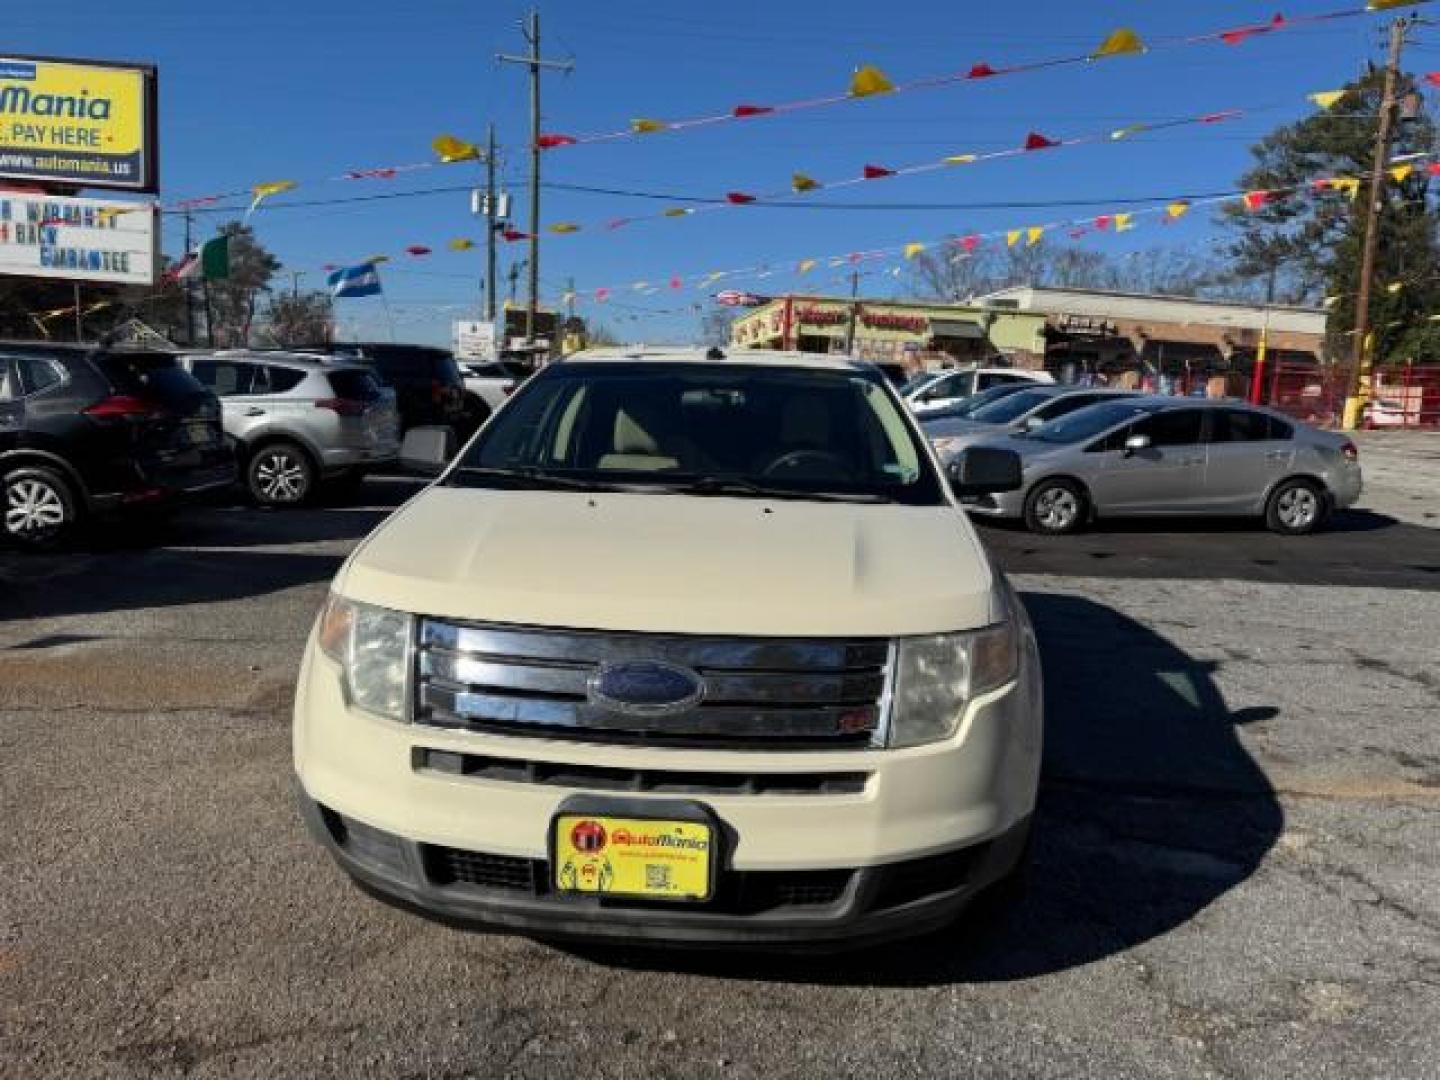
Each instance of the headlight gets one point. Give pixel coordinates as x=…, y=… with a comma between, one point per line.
x=937, y=677
x=371, y=645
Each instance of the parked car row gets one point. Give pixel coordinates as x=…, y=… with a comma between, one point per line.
x=87, y=429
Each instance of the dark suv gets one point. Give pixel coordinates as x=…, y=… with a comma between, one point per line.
x=86, y=429
x=429, y=389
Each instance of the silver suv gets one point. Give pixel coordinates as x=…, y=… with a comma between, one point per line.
x=299, y=420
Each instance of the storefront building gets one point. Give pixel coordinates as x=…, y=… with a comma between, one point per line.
x=914, y=335
x=1159, y=341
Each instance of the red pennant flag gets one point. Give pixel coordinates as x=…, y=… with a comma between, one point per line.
x=742, y=111
x=1103, y=222
x=371, y=174
x=1433, y=168
x=738, y=198
x=1254, y=200
x=876, y=172
x=511, y=236
x=550, y=142
x=417, y=250
x=328, y=267
x=1433, y=78
x=618, y=223
x=855, y=257
x=1036, y=141
x=1220, y=117
x=676, y=283
x=1245, y=33
x=602, y=294
x=982, y=71
x=1076, y=234
x=970, y=243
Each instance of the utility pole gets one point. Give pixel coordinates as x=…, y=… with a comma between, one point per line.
x=536, y=65
x=295, y=276
x=491, y=209
x=514, y=276
x=189, y=292
x=1361, y=355
x=854, y=312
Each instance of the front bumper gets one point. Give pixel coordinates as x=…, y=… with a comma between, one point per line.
x=1008, y=504
x=755, y=909
x=897, y=849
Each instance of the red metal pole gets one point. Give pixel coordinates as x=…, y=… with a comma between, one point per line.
x=788, y=324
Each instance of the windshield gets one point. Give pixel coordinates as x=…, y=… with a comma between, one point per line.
x=711, y=429
x=1088, y=422
x=1012, y=407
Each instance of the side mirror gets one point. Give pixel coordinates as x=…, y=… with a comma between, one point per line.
x=1136, y=442
x=427, y=450
x=985, y=470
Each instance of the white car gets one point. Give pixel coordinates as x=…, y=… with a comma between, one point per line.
x=950, y=387
x=488, y=385
x=683, y=647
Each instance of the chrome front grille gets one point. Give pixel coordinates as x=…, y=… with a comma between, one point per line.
x=760, y=693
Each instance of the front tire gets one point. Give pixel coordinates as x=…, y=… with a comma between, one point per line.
x=1055, y=507
x=39, y=505
x=1296, y=508
x=280, y=474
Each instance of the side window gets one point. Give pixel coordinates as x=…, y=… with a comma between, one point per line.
x=9, y=385
x=283, y=379
x=1238, y=426
x=1066, y=405
x=255, y=378
x=1172, y=427
x=220, y=377
x=1114, y=441
x=37, y=373
x=1279, y=430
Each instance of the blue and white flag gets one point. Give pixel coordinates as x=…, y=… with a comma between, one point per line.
x=362, y=280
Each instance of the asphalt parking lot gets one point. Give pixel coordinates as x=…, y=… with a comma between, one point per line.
x=1237, y=870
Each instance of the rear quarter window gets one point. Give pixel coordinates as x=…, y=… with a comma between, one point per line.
x=284, y=379
x=158, y=376
x=354, y=385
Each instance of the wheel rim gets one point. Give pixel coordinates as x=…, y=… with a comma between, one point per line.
x=1057, y=508
x=1297, y=507
x=33, y=508
x=281, y=477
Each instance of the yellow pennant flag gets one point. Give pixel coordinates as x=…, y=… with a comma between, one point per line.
x=1350, y=185
x=1033, y=235
x=806, y=265
x=642, y=125
x=1395, y=287
x=911, y=250
x=1177, y=209
x=460, y=243
x=869, y=80
x=1401, y=173
x=1327, y=99
x=1123, y=42
x=1013, y=237
x=564, y=227
x=800, y=182
x=1124, y=222
x=678, y=211
x=1126, y=132
x=961, y=159
x=1386, y=5
x=450, y=149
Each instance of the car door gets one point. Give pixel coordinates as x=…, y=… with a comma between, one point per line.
x=1165, y=477
x=1246, y=452
x=228, y=381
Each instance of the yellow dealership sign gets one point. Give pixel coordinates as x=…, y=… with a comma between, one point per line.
x=82, y=123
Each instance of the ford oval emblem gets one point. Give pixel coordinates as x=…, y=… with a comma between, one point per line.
x=645, y=688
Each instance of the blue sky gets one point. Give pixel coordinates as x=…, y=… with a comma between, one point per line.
x=310, y=88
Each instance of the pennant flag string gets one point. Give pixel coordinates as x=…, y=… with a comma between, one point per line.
x=869, y=81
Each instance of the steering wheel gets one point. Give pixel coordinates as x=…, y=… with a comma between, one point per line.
x=823, y=458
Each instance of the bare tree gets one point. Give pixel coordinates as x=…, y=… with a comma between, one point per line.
x=300, y=319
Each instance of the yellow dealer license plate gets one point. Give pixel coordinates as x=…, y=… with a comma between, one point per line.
x=638, y=857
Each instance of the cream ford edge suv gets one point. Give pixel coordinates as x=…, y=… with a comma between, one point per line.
x=684, y=647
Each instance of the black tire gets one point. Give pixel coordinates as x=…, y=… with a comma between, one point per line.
x=280, y=474
x=39, y=505
x=1296, y=508
x=1056, y=507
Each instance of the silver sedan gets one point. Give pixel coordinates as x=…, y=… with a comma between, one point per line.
x=1013, y=413
x=1177, y=456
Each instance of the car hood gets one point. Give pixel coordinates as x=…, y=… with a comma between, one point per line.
x=676, y=564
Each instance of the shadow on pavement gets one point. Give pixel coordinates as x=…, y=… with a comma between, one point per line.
x=197, y=555
x=1150, y=810
x=1342, y=521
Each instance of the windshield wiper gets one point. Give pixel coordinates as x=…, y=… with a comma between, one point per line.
x=725, y=485
x=534, y=478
